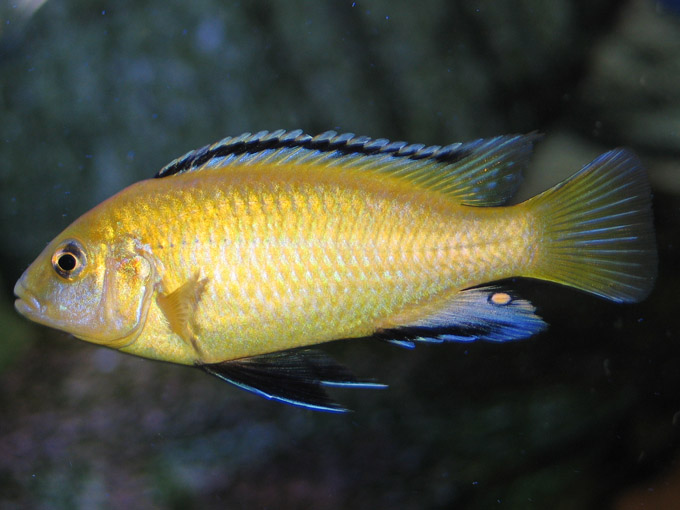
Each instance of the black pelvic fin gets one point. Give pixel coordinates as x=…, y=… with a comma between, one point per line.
x=295, y=377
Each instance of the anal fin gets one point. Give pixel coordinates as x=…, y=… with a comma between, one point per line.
x=295, y=377
x=483, y=313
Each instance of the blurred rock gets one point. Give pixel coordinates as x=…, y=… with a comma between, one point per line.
x=631, y=94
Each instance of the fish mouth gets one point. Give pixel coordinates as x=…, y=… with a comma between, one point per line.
x=26, y=304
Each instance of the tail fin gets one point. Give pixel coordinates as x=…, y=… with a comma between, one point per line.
x=598, y=230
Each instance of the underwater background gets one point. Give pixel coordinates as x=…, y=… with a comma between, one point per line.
x=96, y=95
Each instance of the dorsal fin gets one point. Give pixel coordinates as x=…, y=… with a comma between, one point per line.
x=483, y=172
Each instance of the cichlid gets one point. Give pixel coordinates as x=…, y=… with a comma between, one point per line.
x=239, y=254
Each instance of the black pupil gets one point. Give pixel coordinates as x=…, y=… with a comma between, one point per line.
x=67, y=262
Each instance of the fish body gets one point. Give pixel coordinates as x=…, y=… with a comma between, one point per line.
x=241, y=251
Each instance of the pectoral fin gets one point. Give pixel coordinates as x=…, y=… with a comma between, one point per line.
x=484, y=313
x=179, y=307
x=295, y=377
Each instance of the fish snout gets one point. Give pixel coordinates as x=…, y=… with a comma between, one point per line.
x=26, y=304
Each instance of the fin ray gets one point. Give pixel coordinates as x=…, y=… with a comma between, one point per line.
x=483, y=172
x=598, y=229
x=179, y=306
x=482, y=313
x=295, y=377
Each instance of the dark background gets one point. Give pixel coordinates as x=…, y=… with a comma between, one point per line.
x=95, y=95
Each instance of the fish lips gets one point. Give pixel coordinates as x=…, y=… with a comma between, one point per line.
x=27, y=304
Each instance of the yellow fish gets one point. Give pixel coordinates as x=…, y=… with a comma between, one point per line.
x=240, y=253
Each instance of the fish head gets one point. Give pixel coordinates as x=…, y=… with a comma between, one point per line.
x=97, y=291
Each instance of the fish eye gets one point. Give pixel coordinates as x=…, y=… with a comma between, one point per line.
x=69, y=260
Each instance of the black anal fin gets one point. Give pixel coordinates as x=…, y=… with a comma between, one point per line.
x=295, y=377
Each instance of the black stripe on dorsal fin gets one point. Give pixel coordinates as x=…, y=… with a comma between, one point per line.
x=483, y=172
x=327, y=142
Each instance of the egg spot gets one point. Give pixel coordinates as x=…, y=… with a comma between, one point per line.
x=500, y=298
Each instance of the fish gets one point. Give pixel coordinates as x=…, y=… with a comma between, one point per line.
x=241, y=257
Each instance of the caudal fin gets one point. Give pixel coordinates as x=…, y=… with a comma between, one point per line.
x=598, y=232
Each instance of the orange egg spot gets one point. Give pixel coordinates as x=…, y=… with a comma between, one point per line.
x=501, y=298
